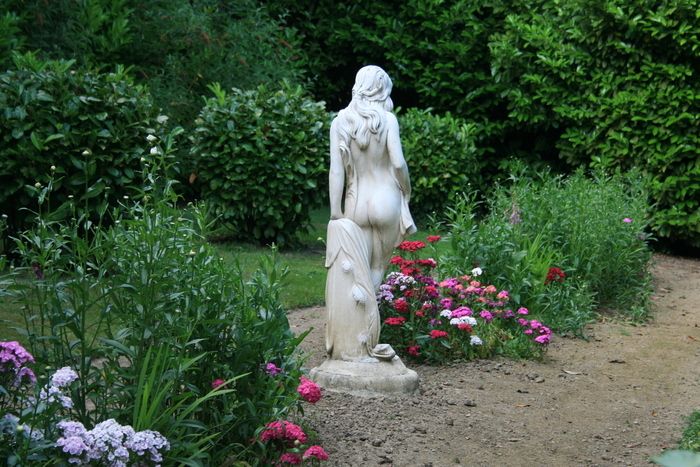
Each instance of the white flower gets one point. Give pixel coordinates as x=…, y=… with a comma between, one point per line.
x=446, y=313
x=87, y=152
x=143, y=159
x=470, y=320
x=37, y=185
x=151, y=138
x=455, y=321
x=53, y=168
x=475, y=340
x=477, y=271
x=162, y=119
x=155, y=151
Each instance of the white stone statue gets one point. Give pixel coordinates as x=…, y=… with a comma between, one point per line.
x=373, y=217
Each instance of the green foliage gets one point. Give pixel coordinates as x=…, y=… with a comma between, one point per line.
x=592, y=229
x=260, y=160
x=81, y=130
x=176, y=47
x=442, y=159
x=618, y=82
x=10, y=38
x=137, y=305
x=691, y=434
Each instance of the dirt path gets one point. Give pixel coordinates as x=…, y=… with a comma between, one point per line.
x=616, y=399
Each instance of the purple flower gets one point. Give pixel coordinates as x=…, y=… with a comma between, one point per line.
x=13, y=356
x=447, y=303
x=487, y=315
x=627, y=220
x=63, y=377
x=272, y=369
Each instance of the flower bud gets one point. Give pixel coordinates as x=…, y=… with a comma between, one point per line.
x=87, y=152
x=53, y=168
x=37, y=185
x=151, y=138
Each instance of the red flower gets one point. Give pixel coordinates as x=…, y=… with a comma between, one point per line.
x=464, y=327
x=396, y=260
x=217, y=382
x=395, y=320
x=414, y=350
x=317, y=452
x=433, y=238
x=411, y=246
x=309, y=391
x=420, y=314
x=437, y=334
x=401, y=305
x=554, y=275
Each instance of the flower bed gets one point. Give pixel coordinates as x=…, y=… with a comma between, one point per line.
x=432, y=320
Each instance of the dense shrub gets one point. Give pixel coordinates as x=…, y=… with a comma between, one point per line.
x=260, y=159
x=162, y=334
x=83, y=130
x=561, y=246
x=176, y=47
x=442, y=159
x=619, y=82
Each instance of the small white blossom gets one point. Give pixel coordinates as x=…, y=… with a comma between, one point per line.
x=477, y=271
x=86, y=152
x=162, y=119
x=155, y=151
x=37, y=185
x=53, y=168
x=475, y=340
x=151, y=138
x=446, y=313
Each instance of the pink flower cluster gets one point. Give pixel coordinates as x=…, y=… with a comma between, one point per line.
x=543, y=335
x=283, y=430
x=309, y=391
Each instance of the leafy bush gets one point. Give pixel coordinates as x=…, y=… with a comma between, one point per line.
x=84, y=130
x=591, y=230
x=617, y=84
x=176, y=47
x=457, y=318
x=260, y=160
x=441, y=157
x=138, y=306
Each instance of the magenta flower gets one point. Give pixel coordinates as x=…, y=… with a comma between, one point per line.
x=272, y=369
x=627, y=220
x=316, y=452
x=523, y=311
x=309, y=391
x=217, y=382
x=487, y=315
x=290, y=458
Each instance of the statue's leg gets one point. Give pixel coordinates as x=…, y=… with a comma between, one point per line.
x=383, y=242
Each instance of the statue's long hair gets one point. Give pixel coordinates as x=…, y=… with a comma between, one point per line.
x=366, y=113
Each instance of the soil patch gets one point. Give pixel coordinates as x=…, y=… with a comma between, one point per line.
x=615, y=399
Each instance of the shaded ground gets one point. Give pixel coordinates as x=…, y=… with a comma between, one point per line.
x=616, y=399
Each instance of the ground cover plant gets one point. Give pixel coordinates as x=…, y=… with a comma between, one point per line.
x=562, y=246
x=156, y=333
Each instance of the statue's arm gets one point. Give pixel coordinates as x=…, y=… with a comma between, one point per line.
x=398, y=162
x=336, y=175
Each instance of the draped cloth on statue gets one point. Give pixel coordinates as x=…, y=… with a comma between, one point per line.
x=352, y=329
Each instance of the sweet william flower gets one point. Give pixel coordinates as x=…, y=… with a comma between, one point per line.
x=316, y=452
x=627, y=220
x=309, y=391
x=475, y=340
x=395, y=320
x=272, y=369
x=290, y=458
x=433, y=238
x=477, y=271
x=216, y=383
x=437, y=334
x=413, y=350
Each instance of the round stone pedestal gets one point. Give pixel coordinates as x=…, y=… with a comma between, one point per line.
x=366, y=378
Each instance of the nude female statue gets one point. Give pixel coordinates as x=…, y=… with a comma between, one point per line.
x=367, y=164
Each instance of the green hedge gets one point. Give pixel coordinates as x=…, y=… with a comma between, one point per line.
x=83, y=130
x=618, y=82
x=442, y=159
x=260, y=159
